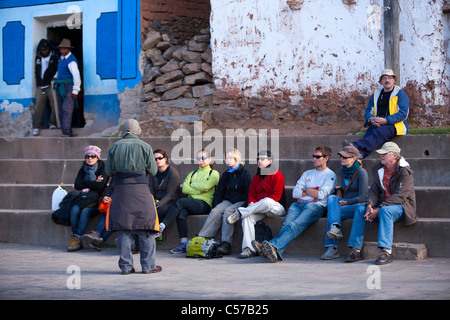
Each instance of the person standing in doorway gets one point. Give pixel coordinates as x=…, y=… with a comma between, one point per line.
x=68, y=84
x=46, y=65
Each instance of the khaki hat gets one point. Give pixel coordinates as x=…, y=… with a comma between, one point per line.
x=389, y=147
x=65, y=43
x=387, y=72
x=349, y=152
x=131, y=126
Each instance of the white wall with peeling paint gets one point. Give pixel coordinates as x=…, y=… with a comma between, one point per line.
x=327, y=45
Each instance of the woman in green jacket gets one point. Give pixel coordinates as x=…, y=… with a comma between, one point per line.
x=199, y=186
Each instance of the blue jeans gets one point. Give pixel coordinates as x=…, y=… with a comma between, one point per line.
x=387, y=216
x=100, y=228
x=79, y=219
x=337, y=213
x=300, y=216
x=374, y=138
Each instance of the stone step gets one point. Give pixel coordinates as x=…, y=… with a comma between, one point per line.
x=431, y=201
x=400, y=251
x=36, y=227
x=294, y=147
x=428, y=172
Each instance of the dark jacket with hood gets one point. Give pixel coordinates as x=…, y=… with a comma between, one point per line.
x=52, y=65
x=401, y=187
x=233, y=186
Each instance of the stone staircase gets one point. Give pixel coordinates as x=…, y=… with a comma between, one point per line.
x=31, y=168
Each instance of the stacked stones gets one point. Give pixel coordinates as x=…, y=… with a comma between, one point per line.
x=174, y=70
x=177, y=79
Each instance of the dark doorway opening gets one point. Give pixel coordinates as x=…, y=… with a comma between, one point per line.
x=55, y=35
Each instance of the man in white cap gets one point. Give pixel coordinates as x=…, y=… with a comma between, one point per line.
x=133, y=210
x=391, y=198
x=68, y=83
x=385, y=115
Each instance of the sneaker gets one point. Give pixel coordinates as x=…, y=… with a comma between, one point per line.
x=92, y=240
x=180, y=249
x=330, y=254
x=246, y=253
x=258, y=247
x=224, y=248
x=36, y=132
x=384, y=258
x=334, y=232
x=355, y=255
x=52, y=127
x=269, y=251
x=234, y=217
x=161, y=229
x=74, y=244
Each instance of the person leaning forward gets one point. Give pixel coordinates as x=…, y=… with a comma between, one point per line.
x=391, y=199
x=133, y=210
x=386, y=115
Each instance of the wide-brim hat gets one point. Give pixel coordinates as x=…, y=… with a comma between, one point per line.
x=387, y=72
x=65, y=43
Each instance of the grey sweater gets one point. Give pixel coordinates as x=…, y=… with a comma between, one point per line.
x=358, y=189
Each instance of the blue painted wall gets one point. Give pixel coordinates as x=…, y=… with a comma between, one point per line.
x=111, y=47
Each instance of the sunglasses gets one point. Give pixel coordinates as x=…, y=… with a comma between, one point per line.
x=202, y=158
x=159, y=158
x=262, y=158
x=318, y=157
x=90, y=156
x=342, y=157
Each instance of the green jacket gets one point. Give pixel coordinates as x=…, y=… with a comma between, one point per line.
x=201, y=184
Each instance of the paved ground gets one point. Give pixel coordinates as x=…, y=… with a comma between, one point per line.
x=35, y=272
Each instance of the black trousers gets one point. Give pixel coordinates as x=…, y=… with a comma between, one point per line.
x=189, y=206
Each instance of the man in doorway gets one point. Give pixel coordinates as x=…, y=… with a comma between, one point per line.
x=385, y=115
x=68, y=83
x=46, y=65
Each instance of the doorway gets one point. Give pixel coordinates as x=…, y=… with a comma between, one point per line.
x=75, y=35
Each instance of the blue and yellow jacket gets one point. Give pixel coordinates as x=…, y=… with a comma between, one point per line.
x=398, y=109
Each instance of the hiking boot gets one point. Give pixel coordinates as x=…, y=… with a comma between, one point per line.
x=92, y=240
x=234, y=217
x=258, y=247
x=384, y=258
x=74, y=244
x=269, y=251
x=181, y=248
x=334, y=232
x=330, y=254
x=224, y=248
x=355, y=255
x=246, y=253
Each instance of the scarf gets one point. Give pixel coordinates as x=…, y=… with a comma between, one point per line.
x=232, y=170
x=90, y=172
x=348, y=172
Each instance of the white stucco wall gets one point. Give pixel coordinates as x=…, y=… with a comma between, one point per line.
x=327, y=45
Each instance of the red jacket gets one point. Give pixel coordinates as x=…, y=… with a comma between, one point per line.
x=271, y=186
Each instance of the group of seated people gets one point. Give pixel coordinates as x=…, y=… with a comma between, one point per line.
x=237, y=196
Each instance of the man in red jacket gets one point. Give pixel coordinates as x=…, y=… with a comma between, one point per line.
x=266, y=197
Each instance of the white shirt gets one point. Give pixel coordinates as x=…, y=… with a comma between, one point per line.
x=73, y=68
x=44, y=65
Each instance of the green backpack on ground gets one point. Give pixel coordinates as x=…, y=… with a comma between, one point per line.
x=202, y=247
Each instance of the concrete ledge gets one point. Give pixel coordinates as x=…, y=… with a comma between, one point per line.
x=400, y=251
x=36, y=227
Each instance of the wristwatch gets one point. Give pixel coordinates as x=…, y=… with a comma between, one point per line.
x=305, y=188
